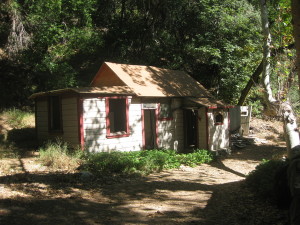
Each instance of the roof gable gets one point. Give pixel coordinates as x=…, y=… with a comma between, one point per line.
x=149, y=81
x=106, y=77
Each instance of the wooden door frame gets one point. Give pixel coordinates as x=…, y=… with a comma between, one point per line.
x=143, y=127
x=186, y=128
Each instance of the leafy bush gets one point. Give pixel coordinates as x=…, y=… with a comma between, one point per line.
x=268, y=178
x=143, y=162
x=195, y=158
x=57, y=155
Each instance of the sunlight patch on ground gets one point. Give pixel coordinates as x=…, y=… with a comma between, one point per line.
x=7, y=192
x=170, y=201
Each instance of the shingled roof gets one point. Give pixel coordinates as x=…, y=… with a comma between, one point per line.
x=112, y=90
x=142, y=81
x=149, y=81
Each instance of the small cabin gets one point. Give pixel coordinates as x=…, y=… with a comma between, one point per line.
x=131, y=108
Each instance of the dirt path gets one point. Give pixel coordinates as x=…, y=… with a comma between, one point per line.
x=208, y=194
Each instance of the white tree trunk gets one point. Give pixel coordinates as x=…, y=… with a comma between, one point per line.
x=266, y=53
x=296, y=27
x=290, y=130
x=274, y=106
x=18, y=38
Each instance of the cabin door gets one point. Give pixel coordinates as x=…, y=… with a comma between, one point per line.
x=190, y=128
x=150, y=129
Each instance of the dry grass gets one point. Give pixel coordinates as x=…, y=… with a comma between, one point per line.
x=57, y=156
x=18, y=119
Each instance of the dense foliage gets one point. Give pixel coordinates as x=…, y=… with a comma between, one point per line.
x=54, y=44
x=143, y=162
x=57, y=154
x=62, y=43
x=269, y=181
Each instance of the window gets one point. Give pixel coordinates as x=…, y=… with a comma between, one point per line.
x=165, y=112
x=55, y=114
x=219, y=119
x=117, y=117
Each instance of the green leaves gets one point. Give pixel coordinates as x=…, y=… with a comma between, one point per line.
x=217, y=42
x=62, y=29
x=143, y=162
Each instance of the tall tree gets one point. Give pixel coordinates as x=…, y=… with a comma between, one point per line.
x=18, y=38
x=277, y=106
x=294, y=165
x=70, y=38
x=266, y=54
x=296, y=26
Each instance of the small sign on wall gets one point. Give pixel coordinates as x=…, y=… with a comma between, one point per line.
x=149, y=106
x=244, y=110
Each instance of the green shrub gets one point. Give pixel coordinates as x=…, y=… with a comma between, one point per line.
x=255, y=99
x=143, y=162
x=264, y=178
x=196, y=158
x=57, y=155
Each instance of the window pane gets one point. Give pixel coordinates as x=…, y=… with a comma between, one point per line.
x=55, y=113
x=117, y=115
x=219, y=118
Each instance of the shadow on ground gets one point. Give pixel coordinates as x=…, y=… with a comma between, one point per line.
x=171, y=197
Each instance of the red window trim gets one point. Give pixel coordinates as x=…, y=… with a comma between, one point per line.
x=207, y=129
x=80, y=122
x=116, y=135
x=218, y=123
x=156, y=127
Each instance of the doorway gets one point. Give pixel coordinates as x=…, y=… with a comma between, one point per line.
x=150, y=136
x=190, y=128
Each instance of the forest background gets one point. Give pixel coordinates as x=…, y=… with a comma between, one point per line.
x=54, y=44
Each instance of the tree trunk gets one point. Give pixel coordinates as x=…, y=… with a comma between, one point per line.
x=18, y=38
x=296, y=25
x=277, y=107
x=266, y=55
x=290, y=129
x=254, y=79
x=255, y=76
x=290, y=124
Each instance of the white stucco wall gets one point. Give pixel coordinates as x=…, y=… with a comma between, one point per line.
x=218, y=134
x=94, y=127
x=169, y=132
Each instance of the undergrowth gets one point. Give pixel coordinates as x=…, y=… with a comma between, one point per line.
x=269, y=181
x=143, y=162
x=18, y=119
x=57, y=155
x=17, y=129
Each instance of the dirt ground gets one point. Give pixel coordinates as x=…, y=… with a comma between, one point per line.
x=210, y=194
